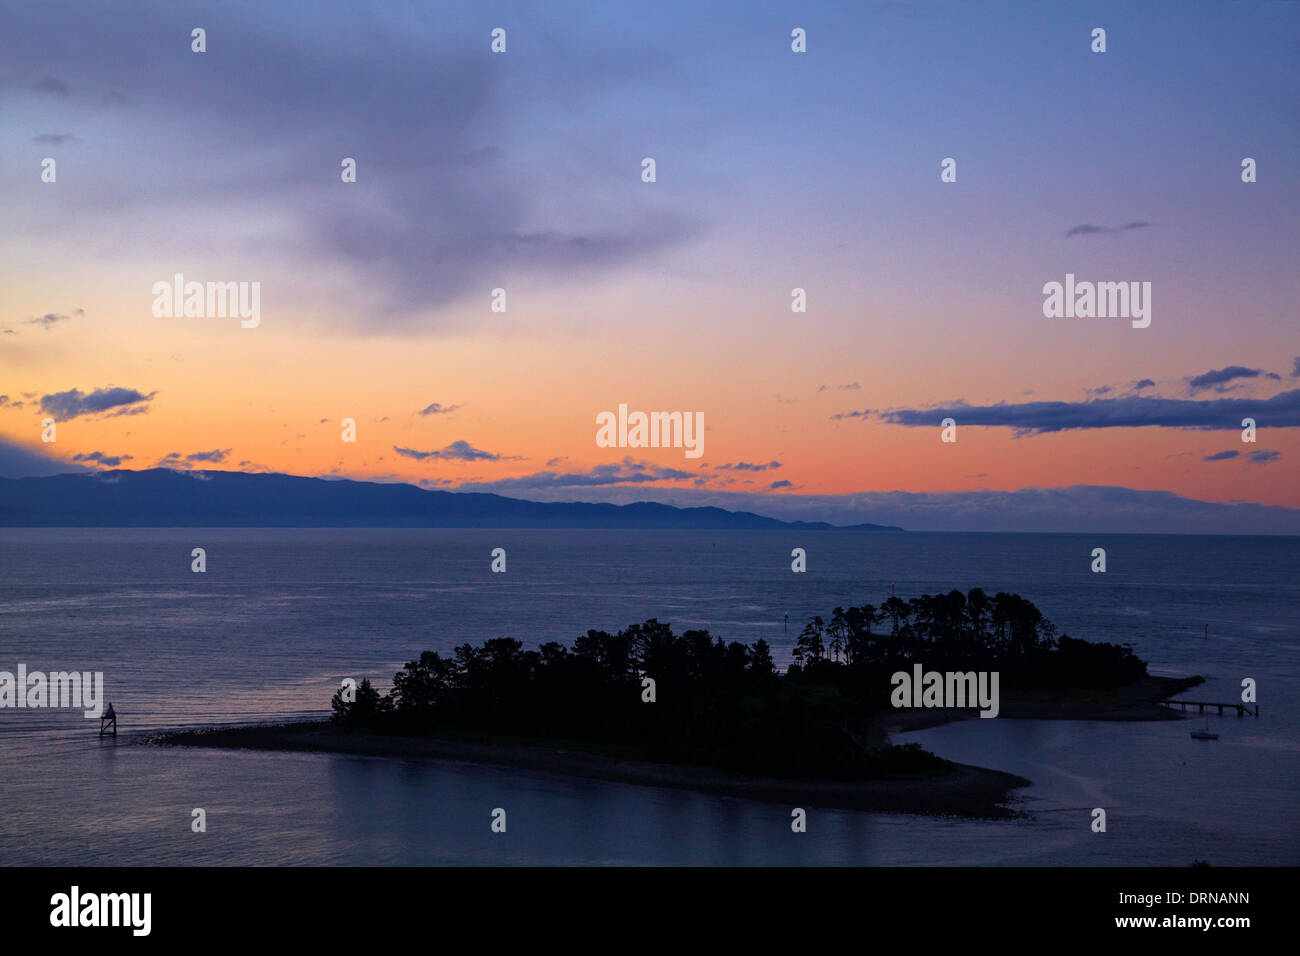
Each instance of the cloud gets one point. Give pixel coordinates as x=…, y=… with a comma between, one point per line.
x=175, y=459
x=1142, y=383
x=48, y=319
x=17, y=461
x=1295, y=367
x=440, y=211
x=1134, y=411
x=746, y=466
x=850, y=387
x=131, y=410
x=779, y=484
x=1218, y=377
x=107, y=461
x=215, y=456
x=437, y=409
x=53, y=139
x=72, y=403
x=456, y=451
x=626, y=472
x=1261, y=456
x=1088, y=229
x=51, y=84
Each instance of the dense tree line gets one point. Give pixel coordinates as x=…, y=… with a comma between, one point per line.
x=725, y=704
x=956, y=631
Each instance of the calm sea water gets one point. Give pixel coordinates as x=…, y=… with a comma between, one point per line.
x=281, y=616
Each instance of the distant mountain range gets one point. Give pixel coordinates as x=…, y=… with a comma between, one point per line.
x=161, y=497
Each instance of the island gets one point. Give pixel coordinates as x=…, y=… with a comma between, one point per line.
x=646, y=705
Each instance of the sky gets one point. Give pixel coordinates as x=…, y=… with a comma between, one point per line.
x=774, y=171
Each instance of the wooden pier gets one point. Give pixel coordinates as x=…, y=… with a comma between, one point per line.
x=1200, y=706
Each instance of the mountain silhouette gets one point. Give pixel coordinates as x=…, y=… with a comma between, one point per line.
x=161, y=497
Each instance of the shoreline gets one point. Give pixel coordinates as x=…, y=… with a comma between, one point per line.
x=966, y=790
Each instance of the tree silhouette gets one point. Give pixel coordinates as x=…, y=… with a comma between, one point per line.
x=725, y=704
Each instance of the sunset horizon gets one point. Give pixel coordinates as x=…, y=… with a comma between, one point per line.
x=542, y=440
x=472, y=288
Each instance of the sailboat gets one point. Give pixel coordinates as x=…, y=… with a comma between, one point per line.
x=1204, y=733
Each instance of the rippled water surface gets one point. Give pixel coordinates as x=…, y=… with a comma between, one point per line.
x=282, y=615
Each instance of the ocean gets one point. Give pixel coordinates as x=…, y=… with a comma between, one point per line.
x=280, y=617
